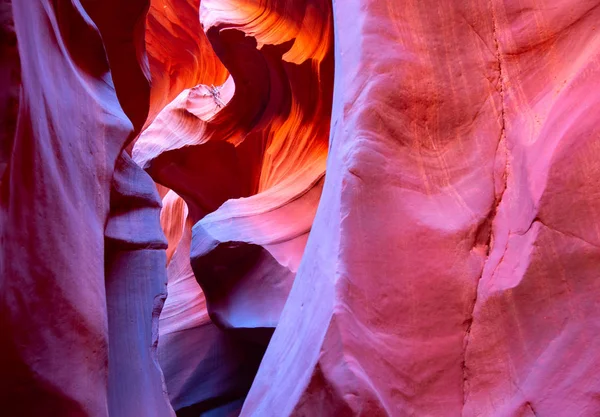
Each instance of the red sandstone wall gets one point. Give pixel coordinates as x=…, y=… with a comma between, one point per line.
x=418, y=237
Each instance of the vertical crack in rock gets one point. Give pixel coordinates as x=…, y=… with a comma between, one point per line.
x=157, y=307
x=498, y=198
x=531, y=409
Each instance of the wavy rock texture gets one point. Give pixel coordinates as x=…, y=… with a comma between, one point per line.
x=135, y=294
x=82, y=260
x=248, y=157
x=206, y=369
x=452, y=265
x=10, y=79
x=179, y=53
x=535, y=312
x=446, y=265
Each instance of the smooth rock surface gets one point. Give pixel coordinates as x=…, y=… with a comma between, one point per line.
x=419, y=237
x=82, y=253
x=453, y=258
x=136, y=284
x=206, y=369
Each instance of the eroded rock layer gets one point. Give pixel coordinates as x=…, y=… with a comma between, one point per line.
x=248, y=157
x=451, y=265
x=423, y=239
x=82, y=252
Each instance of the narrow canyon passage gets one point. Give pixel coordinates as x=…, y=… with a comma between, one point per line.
x=226, y=208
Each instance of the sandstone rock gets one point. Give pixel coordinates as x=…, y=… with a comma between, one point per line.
x=424, y=239
x=10, y=79
x=248, y=158
x=205, y=368
x=135, y=292
x=179, y=54
x=460, y=212
x=78, y=301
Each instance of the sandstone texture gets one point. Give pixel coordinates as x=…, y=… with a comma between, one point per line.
x=82, y=253
x=307, y=208
x=453, y=263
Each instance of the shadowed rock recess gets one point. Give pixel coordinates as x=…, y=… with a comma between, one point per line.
x=299, y=208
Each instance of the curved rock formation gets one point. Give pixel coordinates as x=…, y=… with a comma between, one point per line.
x=424, y=239
x=251, y=152
x=205, y=369
x=135, y=294
x=179, y=53
x=82, y=253
x=443, y=274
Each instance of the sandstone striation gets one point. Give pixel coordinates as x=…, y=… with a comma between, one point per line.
x=82, y=259
x=248, y=157
x=226, y=208
x=450, y=267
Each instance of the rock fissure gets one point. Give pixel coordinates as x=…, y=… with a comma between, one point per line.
x=568, y=234
x=531, y=409
x=459, y=124
x=498, y=199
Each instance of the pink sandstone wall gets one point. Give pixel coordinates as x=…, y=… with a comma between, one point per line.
x=299, y=208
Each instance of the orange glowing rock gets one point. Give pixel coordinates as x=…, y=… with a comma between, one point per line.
x=248, y=157
x=445, y=264
x=179, y=54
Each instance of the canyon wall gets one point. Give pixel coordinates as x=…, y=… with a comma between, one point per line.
x=452, y=268
x=300, y=208
x=82, y=253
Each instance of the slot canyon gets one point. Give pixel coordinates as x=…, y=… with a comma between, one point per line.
x=300, y=208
